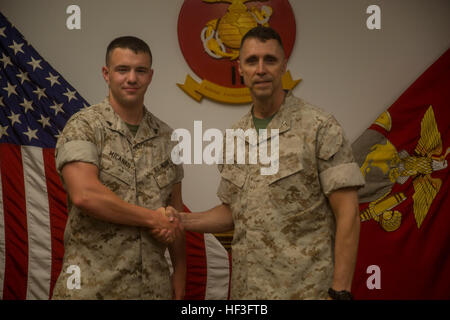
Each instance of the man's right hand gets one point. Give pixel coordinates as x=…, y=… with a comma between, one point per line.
x=173, y=213
x=168, y=227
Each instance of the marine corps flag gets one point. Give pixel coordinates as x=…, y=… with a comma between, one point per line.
x=404, y=249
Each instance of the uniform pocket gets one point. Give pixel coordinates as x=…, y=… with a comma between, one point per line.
x=114, y=173
x=155, y=184
x=235, y=175
x=116, y=166
x=165, y=173
x=288, y=189
x=289, y=165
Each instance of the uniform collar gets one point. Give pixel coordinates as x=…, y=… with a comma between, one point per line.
x=281, y=120
x=147, y=128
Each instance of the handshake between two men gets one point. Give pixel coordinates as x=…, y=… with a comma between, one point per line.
x=170, y=225
x=173, y=223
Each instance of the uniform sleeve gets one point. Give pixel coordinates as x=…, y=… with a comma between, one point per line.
x=337, y=167
x=231, y=182
x=223, y=191
x=179, y=170
x=76, y=143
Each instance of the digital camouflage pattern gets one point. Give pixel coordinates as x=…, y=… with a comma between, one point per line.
x=284, y=227
x=117, y=261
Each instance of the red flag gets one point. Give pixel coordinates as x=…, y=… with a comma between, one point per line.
x=404, y=250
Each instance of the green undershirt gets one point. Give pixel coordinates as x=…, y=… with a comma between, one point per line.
x=261, y=123
x=133, y=128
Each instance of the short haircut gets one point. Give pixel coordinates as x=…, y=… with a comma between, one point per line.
x=128, y=42
x=263, y=34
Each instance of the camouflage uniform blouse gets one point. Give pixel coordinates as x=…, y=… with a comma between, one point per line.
x=284, y=227
x=117, y=261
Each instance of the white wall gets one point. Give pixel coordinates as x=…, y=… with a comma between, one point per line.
x=346, y=69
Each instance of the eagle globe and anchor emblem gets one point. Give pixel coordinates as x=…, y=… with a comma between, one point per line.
x=210, y=34
x=384, y=167
x=229, y=30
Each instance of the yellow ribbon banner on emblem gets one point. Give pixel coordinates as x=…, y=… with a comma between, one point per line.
x=225, y=94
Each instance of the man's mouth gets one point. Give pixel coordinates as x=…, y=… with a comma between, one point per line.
x=131, y=89
x=263, y=82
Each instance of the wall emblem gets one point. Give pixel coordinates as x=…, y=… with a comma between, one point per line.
x=210, y=33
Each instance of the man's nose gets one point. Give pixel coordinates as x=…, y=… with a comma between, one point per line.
x=132, y=76
x=261, y=67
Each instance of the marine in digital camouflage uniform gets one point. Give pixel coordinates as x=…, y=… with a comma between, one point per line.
x=296, y=231
x=117, y=261
x=108, y=238
x=283, y=225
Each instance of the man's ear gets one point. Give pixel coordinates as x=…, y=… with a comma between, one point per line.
x=239, y=67
x=151, y=74
x=105, y=73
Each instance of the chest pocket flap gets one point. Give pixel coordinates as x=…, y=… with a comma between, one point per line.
x=234, y=174
x=165, y=173
x=110, y=174
x=289, y=165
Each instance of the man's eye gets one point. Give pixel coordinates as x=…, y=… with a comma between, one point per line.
x=270, y=59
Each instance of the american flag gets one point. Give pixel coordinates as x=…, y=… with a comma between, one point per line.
x=35, y=104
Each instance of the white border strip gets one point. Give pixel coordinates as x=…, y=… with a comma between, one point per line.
x=38, y=223
x=218, y=273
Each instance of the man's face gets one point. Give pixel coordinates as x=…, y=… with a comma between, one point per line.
x=128, y=75
x=262, y=64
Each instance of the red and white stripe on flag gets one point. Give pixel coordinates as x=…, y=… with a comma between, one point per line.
x=32, y=222
x=208, y=267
